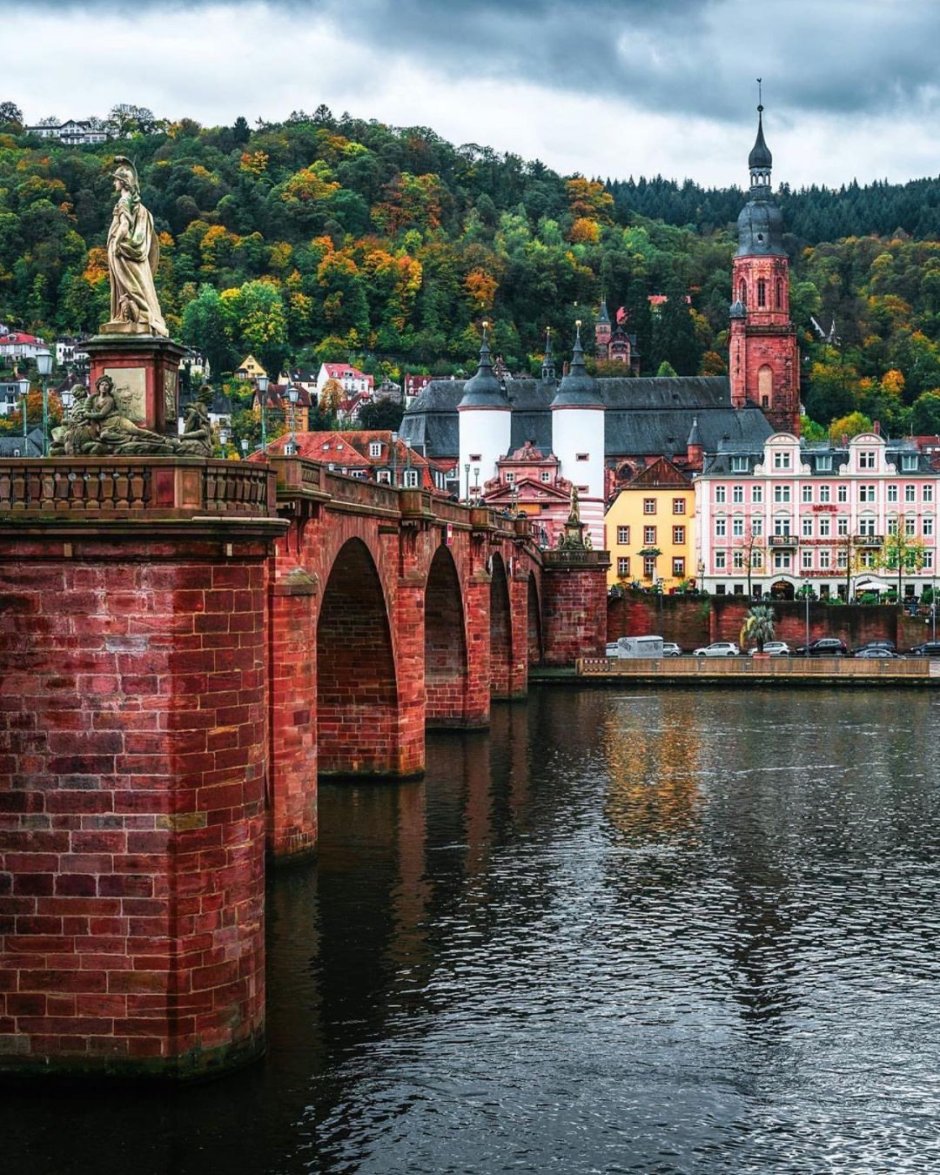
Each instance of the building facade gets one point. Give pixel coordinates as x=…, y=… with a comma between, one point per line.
x=649, y=529
x=842, y=520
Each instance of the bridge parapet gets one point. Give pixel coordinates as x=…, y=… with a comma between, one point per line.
x=113, y=487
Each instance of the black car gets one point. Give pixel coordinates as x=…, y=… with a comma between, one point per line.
x=927, y=649
x=824, y=646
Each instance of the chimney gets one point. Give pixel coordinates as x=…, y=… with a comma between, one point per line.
x=876, y=428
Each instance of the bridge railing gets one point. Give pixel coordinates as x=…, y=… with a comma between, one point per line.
x=729, y=668
x=126, y=487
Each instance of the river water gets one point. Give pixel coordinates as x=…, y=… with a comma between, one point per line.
x=622, y=931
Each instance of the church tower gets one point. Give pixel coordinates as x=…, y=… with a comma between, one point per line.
x=484, y=418
x=763, y=361
x=578, y=414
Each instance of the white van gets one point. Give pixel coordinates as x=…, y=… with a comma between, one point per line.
x=636, y=646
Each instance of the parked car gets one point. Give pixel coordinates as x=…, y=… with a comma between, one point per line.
x=671, y=649
x=927, y=649
x=774, y=649
x=880, y=644
x=824, y=646
x=637, y=646
x=718, y=649
x=875, y=653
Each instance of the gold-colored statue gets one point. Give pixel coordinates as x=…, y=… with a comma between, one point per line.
x=133, y=256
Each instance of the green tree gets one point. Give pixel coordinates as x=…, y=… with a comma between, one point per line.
x=758, y=626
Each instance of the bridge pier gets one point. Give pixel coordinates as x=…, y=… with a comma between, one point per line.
x=133, y=752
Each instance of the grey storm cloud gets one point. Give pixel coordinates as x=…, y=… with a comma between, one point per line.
x=844, y=57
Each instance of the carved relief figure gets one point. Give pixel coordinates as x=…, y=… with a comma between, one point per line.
x=133, y=255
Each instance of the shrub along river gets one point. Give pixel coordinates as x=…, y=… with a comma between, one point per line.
x=689, y=931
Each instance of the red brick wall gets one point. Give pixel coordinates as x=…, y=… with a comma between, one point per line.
x=500, y=632
x=445, y=649
x=132, y=762
x=574, y=612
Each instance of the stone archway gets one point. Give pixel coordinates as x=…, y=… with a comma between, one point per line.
x=782, y=589
x=357, y=694
x=500, y=631
x=445, y=645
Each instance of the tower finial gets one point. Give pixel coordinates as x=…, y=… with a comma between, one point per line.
x=760, y=97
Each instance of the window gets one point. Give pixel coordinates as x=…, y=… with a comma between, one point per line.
x=910, y=493
x=757, y=494
x=649, y=566
x=807, y=560
x=842, y=527
x=908, y=462
x=757, y=527
x=737, y=528
x=721, y=528
x=742, y=292
x=866, y=459
x=476, y=456
x=910, y=526
x=866, y=492
x=824, y=464
x=510, y=478
x=825, y=525
x=892, y=493
x=623, y=565
x=384, y=477
x=649, y=505
x=781, y=459
x=824, y=493
x=678, y=505
x=866, y=527
x=781, y=493
x=678, y=567
x=739, y=465
x=375, y=448
x=928, y=526
x=720, y=560
x=892, y=525
x=411, y=479
x=807, y=528
x=867, y=558
x=545, y=475
x=807, y=493
x=778, y=293
x=757, y=558
x=928, y=560
x=842, y=493
x=737, y=560
x=824, y=560
x=928, y=493
x=781, y=560
x=737, y=494
x=678, y=536
x=623, y=535
x=761, y=291
x=649, y=536
x=781, y=526
x=719, y=493
x=842, y=560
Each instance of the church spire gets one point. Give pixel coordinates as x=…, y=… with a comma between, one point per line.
x=548, y=359
x=760, y=160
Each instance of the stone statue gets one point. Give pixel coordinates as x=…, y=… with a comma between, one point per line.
x=97, y=427
x=196, y=440
x=133, y=256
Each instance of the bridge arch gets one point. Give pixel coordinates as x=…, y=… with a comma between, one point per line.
x=445, y=643
x=533, y=622
x=357, y=687
x=501, y=634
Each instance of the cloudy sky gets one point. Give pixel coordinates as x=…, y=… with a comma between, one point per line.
x=602, y=87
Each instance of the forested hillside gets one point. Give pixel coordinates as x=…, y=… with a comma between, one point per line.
x=334, y=238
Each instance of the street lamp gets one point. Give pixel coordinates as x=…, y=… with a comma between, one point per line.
x=701, y=575
x=466, y=473
x=244, y=444
x=23, y=385
x=292, y=395
x=807, y=589
x=262, y=385
x=44, y=367
x=476, y=483
x=394, y=448
x=223, y=441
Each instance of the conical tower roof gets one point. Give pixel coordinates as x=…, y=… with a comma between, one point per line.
x=483, y=390
x=577, y=388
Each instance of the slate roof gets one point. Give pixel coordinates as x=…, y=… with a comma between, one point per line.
x=649, y=416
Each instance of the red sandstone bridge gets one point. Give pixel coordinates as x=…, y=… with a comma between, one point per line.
x=185, y=645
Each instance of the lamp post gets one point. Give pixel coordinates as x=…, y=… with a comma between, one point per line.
x=394, y=448
x=223, y=441
x=244, y=445
x=23, y=385
x=44, y=367
x=292, y=397
x=262, y=385
x=514, y=501
x=701, y=575
x=807, y=589
x=466, y=474
x=476, y=483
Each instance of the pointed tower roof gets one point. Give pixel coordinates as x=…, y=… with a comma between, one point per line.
x=695, y=437
x=603, y=316
x=483, y=390
x=760, y=156
x=548, y=359
x=577, y=388
x=760, y=222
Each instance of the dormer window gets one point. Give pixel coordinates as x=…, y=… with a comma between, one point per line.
x=739, y=465
x=781, y=459
x=908, y=462
x=866, y=459
x=375, y=448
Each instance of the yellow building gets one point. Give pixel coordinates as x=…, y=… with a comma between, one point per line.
x=649, y=528
x=249, y=368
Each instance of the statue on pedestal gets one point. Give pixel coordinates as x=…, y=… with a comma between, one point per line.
x=133, y=256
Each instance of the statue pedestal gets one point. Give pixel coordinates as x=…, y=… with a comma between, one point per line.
x=145, y=370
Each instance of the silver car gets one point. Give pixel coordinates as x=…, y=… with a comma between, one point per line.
x=718, y=649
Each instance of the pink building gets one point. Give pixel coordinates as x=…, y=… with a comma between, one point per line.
x=770, y=521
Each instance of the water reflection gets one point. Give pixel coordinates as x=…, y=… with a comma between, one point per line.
x=621, y=932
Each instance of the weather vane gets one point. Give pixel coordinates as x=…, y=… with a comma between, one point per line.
x=760, y=96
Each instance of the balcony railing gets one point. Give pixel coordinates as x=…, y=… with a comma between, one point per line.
x=783, y=540
x=868, y=540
